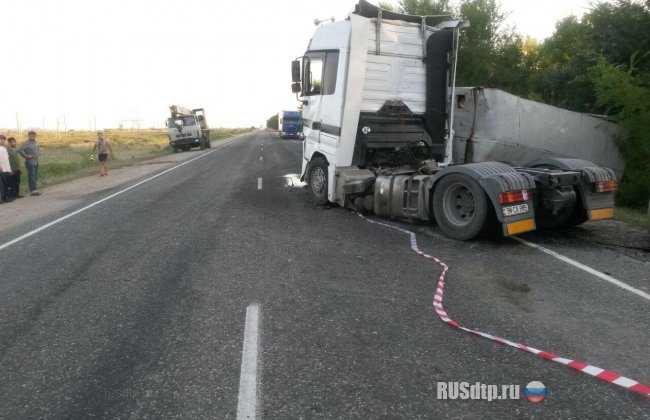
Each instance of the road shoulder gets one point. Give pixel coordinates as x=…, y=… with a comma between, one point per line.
x=72, y=194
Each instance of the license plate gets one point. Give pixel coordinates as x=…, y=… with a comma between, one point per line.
x=514, y=210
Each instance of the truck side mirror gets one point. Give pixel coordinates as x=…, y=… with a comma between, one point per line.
x=295, y=87
x=295, y=71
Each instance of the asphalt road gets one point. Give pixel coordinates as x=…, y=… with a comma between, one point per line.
x=136, y=308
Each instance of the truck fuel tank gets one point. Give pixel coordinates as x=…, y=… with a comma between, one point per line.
x=402, y=196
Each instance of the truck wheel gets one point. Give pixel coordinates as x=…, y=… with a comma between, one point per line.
x=546, y=220
x=317, y=180
x=202, y=144
x=567, y=217
x=175, y=149
x=460, y=207
x=579, y=215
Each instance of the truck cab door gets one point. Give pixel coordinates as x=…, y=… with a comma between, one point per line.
x=322, y=111
x=313, y=65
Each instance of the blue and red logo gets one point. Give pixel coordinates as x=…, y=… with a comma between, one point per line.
x=535, y=392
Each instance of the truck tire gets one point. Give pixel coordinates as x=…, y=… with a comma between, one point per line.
x=546, y=220
x=175, y=149
x=317, y=180
x=579, y=215
x=202, y=144
x=566, y=217
x=461, y=207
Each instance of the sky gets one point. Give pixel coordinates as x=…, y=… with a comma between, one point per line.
x=86, y=65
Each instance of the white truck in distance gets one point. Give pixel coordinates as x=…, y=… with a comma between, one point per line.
x=187, y=128
x=379, y=106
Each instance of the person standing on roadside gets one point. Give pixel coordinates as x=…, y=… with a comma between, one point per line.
x=103, y=147
x=29, y=150
x=5, y=171
x=14, y=162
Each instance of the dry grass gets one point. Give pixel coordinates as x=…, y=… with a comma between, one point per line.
x=66, y=156
x=73, y=138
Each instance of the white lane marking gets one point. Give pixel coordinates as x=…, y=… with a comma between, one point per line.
x=259, y=183
x=248, y=395
x=74, y=213
x=585, y=268
x=261, y=158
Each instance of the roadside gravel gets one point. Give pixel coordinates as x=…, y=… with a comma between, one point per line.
x=630, y=240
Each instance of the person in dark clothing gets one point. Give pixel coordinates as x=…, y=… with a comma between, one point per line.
x=14, y=162
x=30, y=151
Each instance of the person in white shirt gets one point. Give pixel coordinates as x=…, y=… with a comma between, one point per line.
x=5, y=171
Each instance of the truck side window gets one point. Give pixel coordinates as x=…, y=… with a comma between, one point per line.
x=320, y=72
x=329, y=76
x=315, y=76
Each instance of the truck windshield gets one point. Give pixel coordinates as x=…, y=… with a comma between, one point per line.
x=292, y=121
x=181, y=121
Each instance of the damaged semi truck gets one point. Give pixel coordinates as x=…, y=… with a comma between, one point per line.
x=388, y=132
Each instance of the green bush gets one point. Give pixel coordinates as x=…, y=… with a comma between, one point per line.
x=621, y=91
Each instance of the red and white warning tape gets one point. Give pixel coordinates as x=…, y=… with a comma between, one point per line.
x=603, y=374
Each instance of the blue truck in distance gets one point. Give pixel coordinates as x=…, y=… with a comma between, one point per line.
x=290, y=125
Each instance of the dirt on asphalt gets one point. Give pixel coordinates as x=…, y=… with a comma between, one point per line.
x=630, y=240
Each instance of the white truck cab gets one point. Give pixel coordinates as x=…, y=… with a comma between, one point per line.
x=378, y=101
